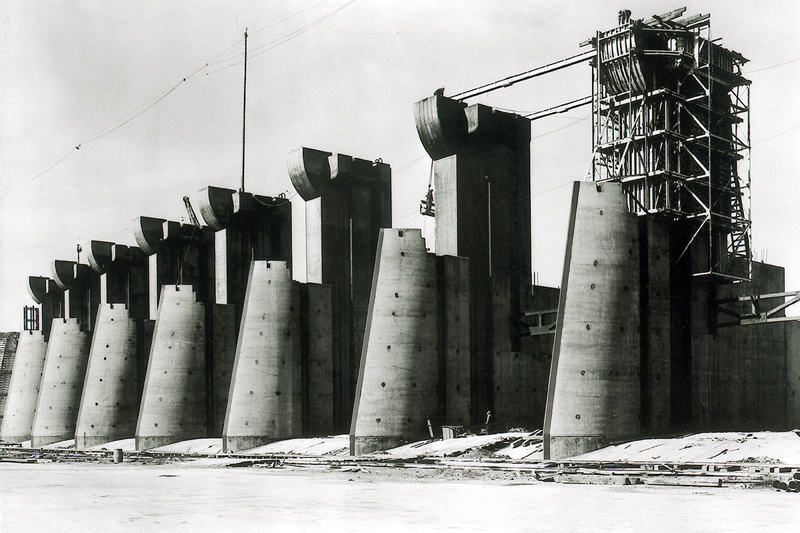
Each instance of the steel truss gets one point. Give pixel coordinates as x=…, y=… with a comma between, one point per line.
x=671, y=123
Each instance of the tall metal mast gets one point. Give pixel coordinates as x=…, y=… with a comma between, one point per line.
x=244, y=105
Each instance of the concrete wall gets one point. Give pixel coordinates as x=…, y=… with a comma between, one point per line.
x=110, y=400
x=63, y=377
x=793, y=374
x=173, y=404
x=397, y=385
x=594, y=391
x=316, y=338
x=739, y=373
x=265, y=400
x=23, y=389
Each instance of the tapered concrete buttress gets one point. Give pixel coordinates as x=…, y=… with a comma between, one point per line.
x=397, y=384
x=62, y=383
x=173, y=406
x=265, y=399
x=23, y=389
x=594, y=392
x=109, y=404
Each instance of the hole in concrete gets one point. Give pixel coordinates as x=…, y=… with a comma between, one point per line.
x=105, y=358
x=261, y=333
x=101, y=379
x=106, y=345
x=399, y=233
x=458, y=388
x=588, y=327
x=378, y=420
x=396, y=295
x=277, y=393
x=595, y=262
x=256, y=361
x=96, y=404
x=393, y=314
x=622, y=328
x=583, y=372
x=625, y=288
x=171, y=333
x=388, y=347
x=269, y=282
x=92, y=426
x=246, y=423
x=577, y=417
x=156, y=424
x=383, y=383
x=251, y=393
x=592, y=286
x=402, y=254
x=601, y=212
x=413, y=384
x=498, y=388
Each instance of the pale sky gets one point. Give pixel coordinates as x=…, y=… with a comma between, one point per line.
x=336, y=75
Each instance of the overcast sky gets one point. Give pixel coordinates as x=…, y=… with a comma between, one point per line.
x=336, y=75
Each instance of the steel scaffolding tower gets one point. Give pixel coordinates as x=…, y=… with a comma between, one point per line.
x=671, y=122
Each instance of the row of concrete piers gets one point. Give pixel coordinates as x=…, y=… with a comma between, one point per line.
x=201, y=330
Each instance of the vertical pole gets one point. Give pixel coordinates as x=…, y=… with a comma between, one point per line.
x=244, y=105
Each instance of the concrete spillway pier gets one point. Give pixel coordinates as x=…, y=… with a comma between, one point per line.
x=481, y=177
x=348, y=200
x=23, y=390
x=109, y=404
x=265, y=401
x=62, y=383
x=397, y=385
x=594, y=393
x=173, y=404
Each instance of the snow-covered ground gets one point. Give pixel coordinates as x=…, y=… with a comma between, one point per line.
x=761, y=447
x=188, y=496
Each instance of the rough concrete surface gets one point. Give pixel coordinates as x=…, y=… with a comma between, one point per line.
x=198, y=497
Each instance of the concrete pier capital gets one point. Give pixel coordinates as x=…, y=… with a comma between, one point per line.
x=445, y=126
x=149, y=233
x=37, y=288
x=309, y=171
x=216, y=206
x=63, y=273
x=312, y=171
x=221, y=207
x=98, y=254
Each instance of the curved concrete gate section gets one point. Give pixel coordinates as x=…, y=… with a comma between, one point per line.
x=594, y=392
x=23, y=390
